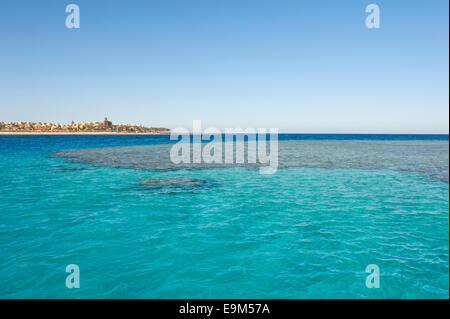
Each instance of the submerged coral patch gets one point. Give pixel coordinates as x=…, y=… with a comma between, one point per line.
x=424, y=157
x=174, y=182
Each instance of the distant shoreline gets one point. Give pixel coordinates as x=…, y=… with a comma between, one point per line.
x=105, y=127
x=82, y=133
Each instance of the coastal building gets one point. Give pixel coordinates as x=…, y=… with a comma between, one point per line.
x=106, y=123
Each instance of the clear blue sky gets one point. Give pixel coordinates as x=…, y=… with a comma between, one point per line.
x=301, y=66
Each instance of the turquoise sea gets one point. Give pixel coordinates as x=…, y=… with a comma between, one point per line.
x=138, y=229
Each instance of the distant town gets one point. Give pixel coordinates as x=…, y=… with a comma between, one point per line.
x=105, y=126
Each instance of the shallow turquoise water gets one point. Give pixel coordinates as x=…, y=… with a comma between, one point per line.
x=301, y=233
